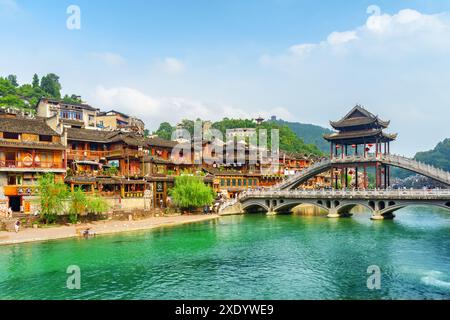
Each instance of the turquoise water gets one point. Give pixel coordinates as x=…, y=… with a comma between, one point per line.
x=244, y=257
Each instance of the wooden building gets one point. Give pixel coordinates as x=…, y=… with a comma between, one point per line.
x=28, y=147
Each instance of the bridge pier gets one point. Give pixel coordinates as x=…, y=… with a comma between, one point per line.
x=378, y=216
x=333, y=213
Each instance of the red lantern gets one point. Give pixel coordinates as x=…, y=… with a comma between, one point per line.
x=370, y=145
x=338, y=147
x=350, y=172
x=353, y=145
x=367, y=149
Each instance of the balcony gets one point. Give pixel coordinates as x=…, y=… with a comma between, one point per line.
x=96, y=155
x=23, y=166
x=86, y=154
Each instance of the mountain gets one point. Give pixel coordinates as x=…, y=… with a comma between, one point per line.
x=309, y=133
x=438, y=157
x=289, y=140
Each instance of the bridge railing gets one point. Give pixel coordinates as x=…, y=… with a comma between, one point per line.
x=399, y=160
x=306, y=171
x=394, y=194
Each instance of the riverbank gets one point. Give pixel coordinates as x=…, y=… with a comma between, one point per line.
x=99, y=227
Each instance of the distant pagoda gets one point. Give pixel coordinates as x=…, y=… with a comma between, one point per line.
x=360, y=135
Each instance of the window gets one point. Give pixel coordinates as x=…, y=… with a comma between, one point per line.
x=233, y=182
x=10, y=135
x=222, y=182
x=45, y=138
x=228, y=182
x=239, y=182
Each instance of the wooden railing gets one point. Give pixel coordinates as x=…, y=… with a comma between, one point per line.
x=26, y=165
x=104, y=154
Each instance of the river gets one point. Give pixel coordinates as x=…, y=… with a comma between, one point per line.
x=244, y=257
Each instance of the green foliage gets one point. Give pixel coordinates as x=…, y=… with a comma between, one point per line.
x=289, y=141
x=97, y=205
x=35, y=81
x=111, y=171
x=309, y=133
x=164, y=131
x=13, y=80
x=191, y=192
x=27, y=96
x=50, y=84
x=12, y=100
x=78, y=202
x=73, y=99
x=52, y=195
x=438, y=157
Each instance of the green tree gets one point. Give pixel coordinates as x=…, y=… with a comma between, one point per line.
x=97, y=205
x=52, y=195
x=50, y=84
x=12, y=101
x=12, y=78
x=35, y=82
x=164, y=131
x=191, y=192
x=6, y=87
x=74, y=99
x=78, y=204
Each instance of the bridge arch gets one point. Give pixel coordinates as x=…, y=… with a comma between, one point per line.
x=346, y=207
x=289, y=205
x=392, y=209
x=247, y=206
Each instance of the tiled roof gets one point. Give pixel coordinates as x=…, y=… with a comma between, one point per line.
x=159, y=142
x=60, y=102
x=24, y=125
x=358, y=134
x=358, y=116
x=90, y=135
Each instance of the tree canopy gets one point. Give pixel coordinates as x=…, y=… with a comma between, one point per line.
x=191, y=192
x=26, y=96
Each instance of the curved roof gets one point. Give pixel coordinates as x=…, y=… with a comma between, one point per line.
x=359, y=116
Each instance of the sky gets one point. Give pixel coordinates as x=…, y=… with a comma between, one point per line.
x=305, y=61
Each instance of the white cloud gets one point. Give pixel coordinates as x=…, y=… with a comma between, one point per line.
x=407, y=30
x=337, y=38
x=110, y=58
x=395, y=64
x=154, y=110
x=172, y=65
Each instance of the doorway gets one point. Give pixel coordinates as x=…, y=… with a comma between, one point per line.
x=15, y=203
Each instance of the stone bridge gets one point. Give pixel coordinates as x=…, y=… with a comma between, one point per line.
x=338, y=203
x=387, y=159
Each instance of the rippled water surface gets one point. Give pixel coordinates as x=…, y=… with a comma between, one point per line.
x=244, y=257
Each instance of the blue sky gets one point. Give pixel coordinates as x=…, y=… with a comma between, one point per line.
x=307, y=61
